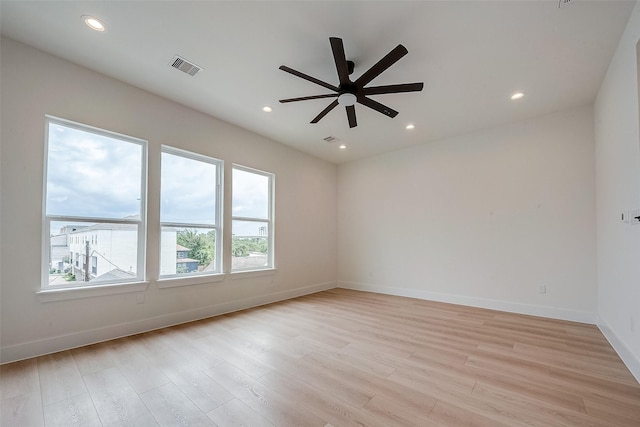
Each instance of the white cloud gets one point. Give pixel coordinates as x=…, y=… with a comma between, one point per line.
x=92, y=175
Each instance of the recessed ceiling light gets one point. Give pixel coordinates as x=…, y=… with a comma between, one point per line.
x=343, y=147
x=410, y=126
x=93, y=23
x=517, y=95
x=267, y=109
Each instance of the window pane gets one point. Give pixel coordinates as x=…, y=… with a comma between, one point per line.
x=187, y=250
x=92, y=175
x=188, y=190
x=250, y=195
x=249, y=245
x=108, y=251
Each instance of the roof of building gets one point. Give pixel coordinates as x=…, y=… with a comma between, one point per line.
x=105, y=226
x=115, y=274
x=249, y=262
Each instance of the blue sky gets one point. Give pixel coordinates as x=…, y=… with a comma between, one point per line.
x=188, y=190
x=90, y=175
x=250, y=195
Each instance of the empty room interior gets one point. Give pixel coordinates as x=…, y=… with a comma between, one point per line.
x=341, y=213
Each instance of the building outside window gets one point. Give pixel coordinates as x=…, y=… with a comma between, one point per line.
x=252, y=219
x=95, y=206
x=190, y=212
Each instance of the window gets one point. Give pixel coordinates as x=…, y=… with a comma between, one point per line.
x=95, y=186
x=190, y=203
x=252, y=220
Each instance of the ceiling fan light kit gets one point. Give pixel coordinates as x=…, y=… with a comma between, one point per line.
x=347, y=99
x=348, y=92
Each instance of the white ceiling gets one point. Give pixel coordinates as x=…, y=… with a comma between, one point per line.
x=471, y=55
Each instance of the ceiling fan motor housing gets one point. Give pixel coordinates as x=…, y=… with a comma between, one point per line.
x=350, y=67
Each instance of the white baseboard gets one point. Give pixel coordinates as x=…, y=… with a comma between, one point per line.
x=511, y=307
x=68, y=341
x=629, y=359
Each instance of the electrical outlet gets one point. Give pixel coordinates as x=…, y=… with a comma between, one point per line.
x=140, y=298
x=630, y=216
x=624, y=217
x=542, y=289
x=634, y=216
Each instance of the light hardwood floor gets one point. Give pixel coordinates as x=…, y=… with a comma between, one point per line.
x=336, y=358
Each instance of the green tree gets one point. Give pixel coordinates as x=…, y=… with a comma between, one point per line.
x=201, y=246
x=261, y=246
x=243, y=246
x=239, y=247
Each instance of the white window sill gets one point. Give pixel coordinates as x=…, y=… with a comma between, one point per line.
x=48, y=295
x=245, y=274
x=172, y=282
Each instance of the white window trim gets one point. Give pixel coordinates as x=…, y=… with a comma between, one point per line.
x=63, y=294
x=199, y=279
x=171, y=280
x=247, y=274
x=270, y=222
x=45, y=289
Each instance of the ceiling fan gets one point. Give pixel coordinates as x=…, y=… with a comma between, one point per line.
x=349, y=92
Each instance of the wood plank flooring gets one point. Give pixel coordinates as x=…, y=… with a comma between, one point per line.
x=335, y=358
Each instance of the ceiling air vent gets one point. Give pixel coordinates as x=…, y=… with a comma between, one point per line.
x=330, y=139
x=563, y=3
x=185, y=66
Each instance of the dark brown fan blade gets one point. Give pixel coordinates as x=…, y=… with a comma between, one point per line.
x=351, y=115
x=306, y=98
x=377, y=69
x=340, y=59
x=406, y=87
x=309, y=78
x=325, y=111
x=368, y=102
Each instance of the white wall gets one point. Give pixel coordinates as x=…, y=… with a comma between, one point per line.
x=33, y=84
x=479, y=219
x=618, y=187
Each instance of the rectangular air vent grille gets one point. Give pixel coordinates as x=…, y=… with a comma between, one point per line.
x=185, y=66
x=563, y=3
x=330, y=139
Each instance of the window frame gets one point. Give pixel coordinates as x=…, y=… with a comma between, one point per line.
x=218, y=225
x=270, y=220
x=140, y=222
